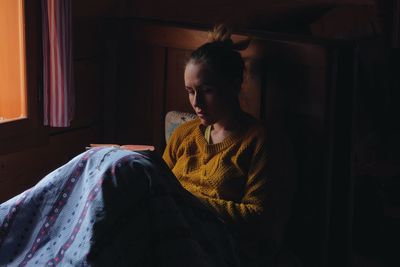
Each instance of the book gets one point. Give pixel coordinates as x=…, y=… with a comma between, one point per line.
x=127, y=147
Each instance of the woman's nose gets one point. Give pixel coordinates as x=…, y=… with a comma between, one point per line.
x=198, y=100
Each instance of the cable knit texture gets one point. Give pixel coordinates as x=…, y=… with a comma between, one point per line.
x=230, y=177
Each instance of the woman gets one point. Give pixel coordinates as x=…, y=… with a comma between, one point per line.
x=221, y=157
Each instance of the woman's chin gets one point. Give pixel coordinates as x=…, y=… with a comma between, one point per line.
x=205, y=122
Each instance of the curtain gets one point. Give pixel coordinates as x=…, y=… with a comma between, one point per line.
x=58, y=98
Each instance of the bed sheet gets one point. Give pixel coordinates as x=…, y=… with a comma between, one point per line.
x=111, y=207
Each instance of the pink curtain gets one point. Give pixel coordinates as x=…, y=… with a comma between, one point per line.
x=57, y=63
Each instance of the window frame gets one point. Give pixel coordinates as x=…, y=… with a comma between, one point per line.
x=28, y=132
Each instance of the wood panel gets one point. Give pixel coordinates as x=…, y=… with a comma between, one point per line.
x=88, y=93
x=176, y=97
x=140, y=94
x=95, y=8
x=87, y=38
x=176, y=37
x=21, y=170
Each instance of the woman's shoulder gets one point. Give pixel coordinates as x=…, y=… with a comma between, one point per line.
x=185, y=129
x=188, y=126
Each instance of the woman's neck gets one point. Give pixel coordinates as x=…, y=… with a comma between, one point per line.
x=228, y=126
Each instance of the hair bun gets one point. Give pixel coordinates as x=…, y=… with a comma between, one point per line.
x=222, y=33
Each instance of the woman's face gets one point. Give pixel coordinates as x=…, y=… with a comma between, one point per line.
x=208, y=93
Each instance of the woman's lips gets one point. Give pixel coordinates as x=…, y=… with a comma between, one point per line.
x=201, y=114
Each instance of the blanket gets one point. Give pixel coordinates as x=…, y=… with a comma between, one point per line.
x=111, y=207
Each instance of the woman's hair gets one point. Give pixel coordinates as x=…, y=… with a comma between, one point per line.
x=221, y=54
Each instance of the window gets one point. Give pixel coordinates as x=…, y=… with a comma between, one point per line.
x=12, y=61
x=20, y=65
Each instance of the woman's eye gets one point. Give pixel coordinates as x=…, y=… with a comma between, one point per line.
x=207, y=90
x=190, y=92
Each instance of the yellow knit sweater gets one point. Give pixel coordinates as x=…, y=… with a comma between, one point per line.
x=229, y=177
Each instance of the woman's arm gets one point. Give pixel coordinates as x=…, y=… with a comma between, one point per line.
x=170, y=152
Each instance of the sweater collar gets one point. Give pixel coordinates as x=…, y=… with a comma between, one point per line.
x=215, y=148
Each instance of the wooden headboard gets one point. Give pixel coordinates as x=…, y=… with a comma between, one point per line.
x=298, y=84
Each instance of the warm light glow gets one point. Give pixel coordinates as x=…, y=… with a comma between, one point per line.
x=13, y=99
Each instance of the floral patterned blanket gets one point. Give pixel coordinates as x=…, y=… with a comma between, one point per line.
x=111, y=207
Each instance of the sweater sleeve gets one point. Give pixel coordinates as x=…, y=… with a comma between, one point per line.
x=169, y=155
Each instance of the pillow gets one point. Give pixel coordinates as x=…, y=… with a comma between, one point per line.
x=175, y=118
